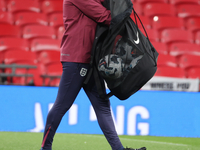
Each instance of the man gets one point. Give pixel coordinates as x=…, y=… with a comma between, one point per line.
x=80, y=20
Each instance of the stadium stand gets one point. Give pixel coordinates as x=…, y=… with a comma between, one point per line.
x=7, y=30
x=190, y=63
x=197, y=37
x=152, y=34
x=56, y=19
x=49, y=7
x=150, y=1
x=167, y=60
x=176, y=72
x=17, y=44
x=193, y=24
x=46, y=57
x=23, y=18
x=138, y=8
x=21, y=76
x=145, y=21
x=40, y=44
x=52, y=74
x=38, y=31
x=187, y=61
x=164, y=22
x=19, y=56
x=173, y=27
x=193, y=72
x=60, y=32
x=188, y=10
x=2, y=5
x=15, y=6
x=177, y=49
x=176, y=35
x=47, y=50
x=36, y=80
x=23, y=61
x=160, y=47
x=6, y=17
x=177, y=2
x=159, y=9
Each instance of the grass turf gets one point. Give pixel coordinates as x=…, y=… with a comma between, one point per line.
x=32, y=141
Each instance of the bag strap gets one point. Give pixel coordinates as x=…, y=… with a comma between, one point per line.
x=93, y=70
x=152, y=48
x=100, y=30
x=100, y=86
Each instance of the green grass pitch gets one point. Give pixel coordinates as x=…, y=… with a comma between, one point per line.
x=32, y=141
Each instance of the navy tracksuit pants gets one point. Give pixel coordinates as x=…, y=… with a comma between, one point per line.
x=71, y=82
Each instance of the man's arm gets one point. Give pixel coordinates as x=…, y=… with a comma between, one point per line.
x=94, y=10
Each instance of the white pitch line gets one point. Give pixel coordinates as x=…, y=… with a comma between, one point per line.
x=156, y=142
x=147, y=141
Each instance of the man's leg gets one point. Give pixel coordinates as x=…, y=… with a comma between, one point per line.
x=103, y=113
x=70, y=85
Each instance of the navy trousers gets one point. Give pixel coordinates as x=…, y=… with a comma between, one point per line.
x=71, y=82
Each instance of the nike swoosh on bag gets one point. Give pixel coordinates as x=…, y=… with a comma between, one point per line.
x=138, y=40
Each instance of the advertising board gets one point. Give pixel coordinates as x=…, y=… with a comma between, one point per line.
x=154, y=113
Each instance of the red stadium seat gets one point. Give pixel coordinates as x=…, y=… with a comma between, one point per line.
x=177, y=49
x=138, y=8
x=46, y=57
x=1, y=58
x=167, y=60
x=23, y=18
x=45, y=44
x=35, y=80
x=38, y=31
x=160, y=47
x=2, y=5
x=197, y=37
x=164, y=22
x=10, y=43
x=19, y=56
x=187, y=61
x=145, y=21
x=7, y=43
x=151, y=1
x=167, y=71
x=193, y=72
x=49, y=7
x=47, y=50
x=54, y=68
x=6, y=17
x=159, y=9
x=177, y=2
x=26, y=5
x=193, y=24
x=56, y=19
x=176, y=35
x=53, y=73
x=7, y=30
x=60, y=32
x=152, y=34
x=188, y=10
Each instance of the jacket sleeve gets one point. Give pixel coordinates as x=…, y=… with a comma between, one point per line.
x=94, y=10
